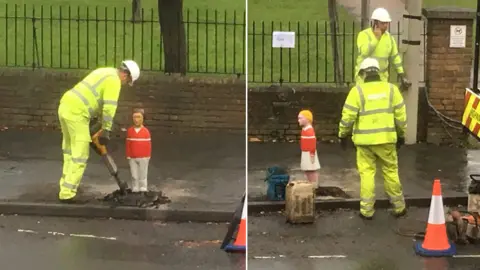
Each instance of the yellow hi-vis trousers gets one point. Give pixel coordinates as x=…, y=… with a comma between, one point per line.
x=75, y=145
x=367, y=157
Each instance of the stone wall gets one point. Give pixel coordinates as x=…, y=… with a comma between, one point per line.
x=272, y=111
x=29, y=99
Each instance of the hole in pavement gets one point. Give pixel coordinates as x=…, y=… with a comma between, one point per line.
x=137, y=199
x=331, y=192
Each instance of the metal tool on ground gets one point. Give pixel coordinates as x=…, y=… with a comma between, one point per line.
x=95, y=131
x=463, y=226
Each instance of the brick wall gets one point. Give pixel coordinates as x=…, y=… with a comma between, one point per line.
x=272, y=111
x=29, y=99
x=448, y=70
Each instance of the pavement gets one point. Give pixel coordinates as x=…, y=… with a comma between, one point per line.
x=204, y=172
x=45, y=243
x=341, y=240
x=419, y=165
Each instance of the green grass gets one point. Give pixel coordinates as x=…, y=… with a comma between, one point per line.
x=311, y=60
x=216, y=47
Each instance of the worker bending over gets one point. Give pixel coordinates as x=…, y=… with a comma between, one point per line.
x=376, y=42
x=375, y=113
x=95, y=96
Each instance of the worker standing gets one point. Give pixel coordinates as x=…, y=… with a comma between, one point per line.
x=374, y=112
x=376, y=42
x=95, y=96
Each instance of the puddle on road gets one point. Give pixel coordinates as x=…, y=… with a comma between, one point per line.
x=12, y=170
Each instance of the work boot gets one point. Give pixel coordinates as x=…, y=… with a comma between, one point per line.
x=400, y=214
x=75, y=200
x=364, y=217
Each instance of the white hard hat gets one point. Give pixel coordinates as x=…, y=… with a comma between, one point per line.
x=369, y=63
x=132, y=67
x=381, y=14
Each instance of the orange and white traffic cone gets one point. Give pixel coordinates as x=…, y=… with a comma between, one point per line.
x=436, y=243
x=240, y=242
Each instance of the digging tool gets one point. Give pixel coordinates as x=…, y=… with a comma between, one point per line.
x=95, y=131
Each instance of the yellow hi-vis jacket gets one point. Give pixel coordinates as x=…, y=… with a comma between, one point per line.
x=383, y=50
x=375, y=111
x=97, y=94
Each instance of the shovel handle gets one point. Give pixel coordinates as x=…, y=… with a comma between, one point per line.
x=102, y=149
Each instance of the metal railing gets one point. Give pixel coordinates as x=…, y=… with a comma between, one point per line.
x=86, y=37
x=312, y=59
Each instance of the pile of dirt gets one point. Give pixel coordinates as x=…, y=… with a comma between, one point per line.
x=136, y=199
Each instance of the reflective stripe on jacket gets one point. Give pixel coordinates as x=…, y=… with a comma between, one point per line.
x=384, y=50
x=97, y=94
x=375, y=112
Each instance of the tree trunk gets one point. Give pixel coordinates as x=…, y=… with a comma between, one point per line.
x=136, y=11
x=170, y=13
x=336, y=46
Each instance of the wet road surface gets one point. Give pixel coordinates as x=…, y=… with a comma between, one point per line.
x=419, y=165
x=77, y=244
x=341, y=240
x=202, y=171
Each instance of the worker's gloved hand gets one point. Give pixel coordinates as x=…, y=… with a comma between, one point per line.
x=343, y=143
x=104, y=137
x=404, y=82
x=400, y=142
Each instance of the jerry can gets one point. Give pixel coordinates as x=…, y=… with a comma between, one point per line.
x=300, y=202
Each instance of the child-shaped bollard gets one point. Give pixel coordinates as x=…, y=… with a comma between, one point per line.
x=308, y=145
x=138, y=150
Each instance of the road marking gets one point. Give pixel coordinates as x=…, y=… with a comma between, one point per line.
x=327, y=257
x=70, y=234
x=310, y=257
x=56, y=233
x=92, y=236
x=27, y=231
x=466, y=256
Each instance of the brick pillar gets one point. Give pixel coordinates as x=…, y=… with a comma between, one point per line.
x=447, y=70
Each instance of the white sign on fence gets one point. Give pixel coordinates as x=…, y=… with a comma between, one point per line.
x=282, y=39
x=458, y=36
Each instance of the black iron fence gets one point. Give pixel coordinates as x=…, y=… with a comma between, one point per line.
x=312, y=60
x=87, y=37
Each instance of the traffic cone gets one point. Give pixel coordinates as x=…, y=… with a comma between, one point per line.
x=240, y=242
x=436, y=243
